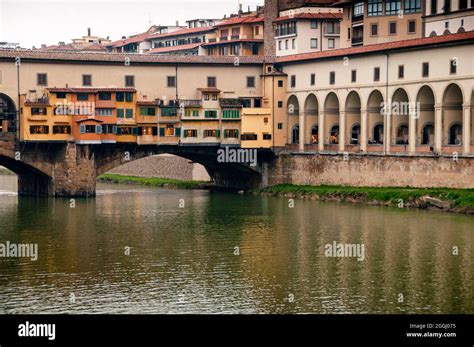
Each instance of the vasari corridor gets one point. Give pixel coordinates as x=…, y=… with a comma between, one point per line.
x=266, y=166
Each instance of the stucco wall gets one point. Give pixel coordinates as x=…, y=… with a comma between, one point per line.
x=374, y=171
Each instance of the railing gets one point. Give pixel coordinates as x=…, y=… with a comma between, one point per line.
x=285, y=31
x=44, y=100
x=332, y=30
x=212, y=40
x=223, y=38
x=357, y=40
x=190, y=103
x=235, y=37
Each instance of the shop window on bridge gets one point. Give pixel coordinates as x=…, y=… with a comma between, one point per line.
x=211, y=133
x=109, y=129
x=39, y=129
x=190, y=133
x=145, y=131
x=105, y=96
x=231, y=133
x=147, y=111
x=104, y=112
x=267, y=136
x=127, y=131
x=210, y=114
x=249, y=137
x=38, y=111
x=231, y=114
x=169, y=130
x=82, y=97
x=61, y=129
x=60, y=95
x=90, y=129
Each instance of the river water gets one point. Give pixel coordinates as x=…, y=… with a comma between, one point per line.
x=144, y=250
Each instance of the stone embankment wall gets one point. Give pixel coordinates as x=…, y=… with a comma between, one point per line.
x=164, y=166
x=371, y=171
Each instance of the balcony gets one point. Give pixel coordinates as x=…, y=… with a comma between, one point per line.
x=356, y=41
x=169, y=111
x=191, y=103
x=332, y=30
x=235, y=37
x=37, y=101
x=223, y=38
x=285, y=31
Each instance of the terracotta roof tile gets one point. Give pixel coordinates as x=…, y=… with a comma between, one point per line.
x=119, y=58
x=414, y=43
x=90, y=90
x=231, y=41
x=310, y=16
x=180, y=32
x=241, y=20
x=173, y=48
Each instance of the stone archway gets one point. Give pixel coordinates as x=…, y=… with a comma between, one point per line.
x=352, y=118
x=425, y=120
x=8, y=115
x=399, y=116
x=452, y=118
x=331, y=119
x=375, y=122
x=311, y=108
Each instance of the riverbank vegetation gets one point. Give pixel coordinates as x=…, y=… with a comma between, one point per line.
x=154, y=182
x=452, y=200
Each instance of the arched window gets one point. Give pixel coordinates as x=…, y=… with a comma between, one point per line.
x=402, y=135
x=427, y=135
x=377, y=136
x=314, y=134
x=455, y=134
x=334, y=135
x=355, y=134
x=295, y=135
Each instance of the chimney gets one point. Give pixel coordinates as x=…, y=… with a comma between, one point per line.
x=61, y=43
x=88, y=31
x=123, y=37
x=43, y=45
x=177, y=23
x=240, y=10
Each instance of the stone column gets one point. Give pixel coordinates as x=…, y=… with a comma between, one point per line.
x=466, y=129
x=342, y=130
x=387, y=130
x=302, y=131
x=321, y=131
x=363, y=130
x=438, y=129
x=412, y=120
x=74, y=172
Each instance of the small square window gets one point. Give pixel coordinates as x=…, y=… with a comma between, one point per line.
x=331, y=43
x=411, y=27
x=280, y=84
x=280, y=104
x=314, y=24
x=129, y=81
x=250, y=81
x=374, y=29
x=425, y=70
x=211, y=82
x=314, y=43
x=86, y=80
x=453, y=66
x=401, y=71
x=42, y=79
x=171, y=81
x=280, y=126
x=392, y=28
x=376, y=74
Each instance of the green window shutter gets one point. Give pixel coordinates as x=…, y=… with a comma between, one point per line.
x=218, y=134
x=135, y=131
x=237, y=133
x=206, y=114
x=162, y=131
x=143, y=111
x=120, y=113
x=185, y=133
x=82, y=129
x=98, y=129
x=119, y=131
x=178, y=132
x=128, y=97
x=195, y=113
x=129, y=113
x=114, y=129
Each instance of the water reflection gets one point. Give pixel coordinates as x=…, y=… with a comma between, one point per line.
x=182, y=260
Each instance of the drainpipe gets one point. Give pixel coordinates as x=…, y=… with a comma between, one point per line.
x=388, y=110
x=19, y=105
x=321, y=36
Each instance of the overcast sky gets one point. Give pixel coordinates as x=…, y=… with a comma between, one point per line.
x=34, y=22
